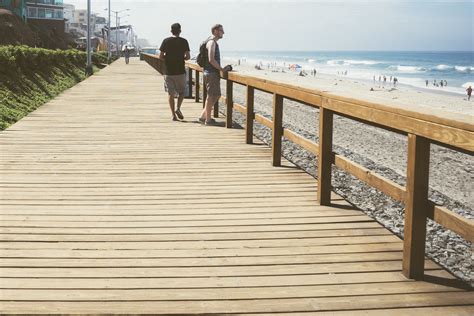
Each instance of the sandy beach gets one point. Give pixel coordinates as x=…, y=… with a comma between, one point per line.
x=422, y=100
x=384, y=152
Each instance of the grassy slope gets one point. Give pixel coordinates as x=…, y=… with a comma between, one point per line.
x=25, y=85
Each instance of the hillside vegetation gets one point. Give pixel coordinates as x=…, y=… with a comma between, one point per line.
x=29, y=77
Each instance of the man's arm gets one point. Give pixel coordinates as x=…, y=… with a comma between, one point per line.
x=187, y=55
x=162, y=55
x=211, y=48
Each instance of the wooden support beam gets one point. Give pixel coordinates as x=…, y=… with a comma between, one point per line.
x=196, y=83
x=190, y=82
x=416, y=206
x=216, y=109
x=277, y=129
x=249, y=115
x=229, y=103
x=325, y=155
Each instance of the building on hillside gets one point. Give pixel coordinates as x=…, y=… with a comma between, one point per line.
x=16, y=6
x=68, y=14
x=46, y=13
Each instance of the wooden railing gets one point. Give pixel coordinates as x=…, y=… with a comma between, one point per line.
x=421, y=130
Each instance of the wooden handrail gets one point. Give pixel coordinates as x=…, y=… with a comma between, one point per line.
x=422, y=129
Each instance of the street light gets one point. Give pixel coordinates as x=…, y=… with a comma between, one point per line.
x=109, y=53
x=89, y=69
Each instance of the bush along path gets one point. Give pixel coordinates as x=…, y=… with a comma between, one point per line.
x=30, y=77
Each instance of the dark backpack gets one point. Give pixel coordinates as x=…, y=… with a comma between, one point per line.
x=203, y=56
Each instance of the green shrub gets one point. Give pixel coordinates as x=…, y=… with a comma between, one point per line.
x=29, y=77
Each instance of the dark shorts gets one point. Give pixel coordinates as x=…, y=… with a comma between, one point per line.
x=212, y=82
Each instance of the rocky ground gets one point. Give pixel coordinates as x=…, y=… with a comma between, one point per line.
x=385, y=153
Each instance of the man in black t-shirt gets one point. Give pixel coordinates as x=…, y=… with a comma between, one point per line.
x=174, y=51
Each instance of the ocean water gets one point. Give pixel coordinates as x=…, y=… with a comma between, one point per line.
x=410, y=68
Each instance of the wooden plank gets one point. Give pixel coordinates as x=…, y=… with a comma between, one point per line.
x=200, y=253
x=256, y=293
x=263, y=120
x=452, y=221
x=310, y=146
x=277, y=130
x=197, y=262
x=118, y=235
x=415, y=206
x=325, y=156
x=324, y=304
x=460, y=138
x=205, y=271
x=391, y=188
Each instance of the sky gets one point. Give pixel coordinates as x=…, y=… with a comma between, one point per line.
x=304, y=25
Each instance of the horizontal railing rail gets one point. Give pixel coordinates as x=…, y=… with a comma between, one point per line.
x=420, y=128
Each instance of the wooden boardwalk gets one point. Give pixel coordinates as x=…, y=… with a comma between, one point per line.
x=108, y=206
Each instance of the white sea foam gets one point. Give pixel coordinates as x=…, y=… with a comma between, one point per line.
x=349, y=62
x=407, y=69
x=311, y=60
x=463, y=69
x=360, y=62
x=335, y=62
x=443, y=67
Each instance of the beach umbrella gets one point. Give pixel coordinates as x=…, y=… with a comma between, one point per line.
x=467, y=84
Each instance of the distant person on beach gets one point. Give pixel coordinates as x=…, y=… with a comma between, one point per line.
x=174, y=51
x=469, y=92
x=426, y=81
x=395, y=81
x=126, y=53
x=441, y=83
x=212, y=76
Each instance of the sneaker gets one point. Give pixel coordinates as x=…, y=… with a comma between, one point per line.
x=201, y=120
x=179, y=114
x=211, y=122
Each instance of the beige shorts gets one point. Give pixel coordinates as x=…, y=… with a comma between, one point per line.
x=212, y=82
x=174, y=84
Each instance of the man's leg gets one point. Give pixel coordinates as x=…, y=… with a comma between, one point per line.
x=180, y=100
x=171, y=102
x=210, y=101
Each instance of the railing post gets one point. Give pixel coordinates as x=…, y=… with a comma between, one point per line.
x=216, y=109
x=415, y=207
x=196, y=82
x=229, y=102
x=249, y=115
x=190, y=82
x=277, y=129
x=325, y=156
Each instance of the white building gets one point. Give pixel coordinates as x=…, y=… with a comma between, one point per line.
x=68, y=13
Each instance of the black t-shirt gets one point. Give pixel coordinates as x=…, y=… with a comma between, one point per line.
x=174, y=48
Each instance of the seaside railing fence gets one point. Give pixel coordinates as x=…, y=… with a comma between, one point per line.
x=421, y=129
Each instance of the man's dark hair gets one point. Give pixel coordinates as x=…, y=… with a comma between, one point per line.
x=175, y=28
x=215, y=27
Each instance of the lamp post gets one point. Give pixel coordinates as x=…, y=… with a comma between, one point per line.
x=109, y=53
x=89, y=69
